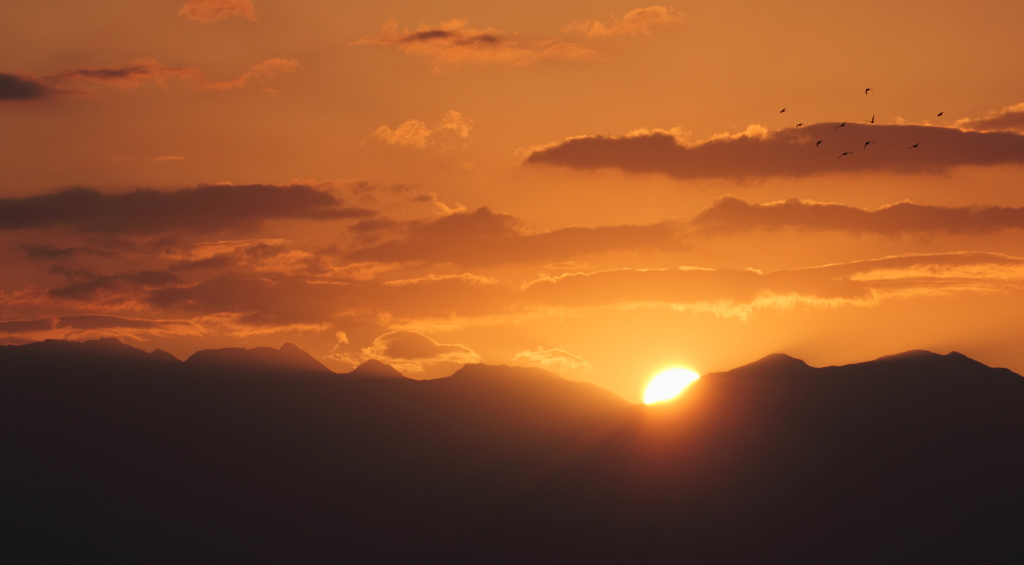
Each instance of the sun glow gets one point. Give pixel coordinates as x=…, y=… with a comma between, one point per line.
x=669, y=384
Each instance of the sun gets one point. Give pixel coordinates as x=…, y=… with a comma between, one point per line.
x=669, y=384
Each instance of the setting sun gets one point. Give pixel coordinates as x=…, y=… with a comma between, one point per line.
x=668, y=385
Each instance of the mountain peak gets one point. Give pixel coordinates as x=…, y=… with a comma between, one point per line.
x=376, y=369
x=288, y=357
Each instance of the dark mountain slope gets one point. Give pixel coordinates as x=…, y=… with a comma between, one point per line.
x=913, y=458
x=289, y=357
x=115, y=455
x=267, y=466
x=375, y=369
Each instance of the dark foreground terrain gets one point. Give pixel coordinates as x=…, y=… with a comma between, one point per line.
x=109, y=454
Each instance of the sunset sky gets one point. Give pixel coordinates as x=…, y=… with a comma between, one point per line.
x=604, y=189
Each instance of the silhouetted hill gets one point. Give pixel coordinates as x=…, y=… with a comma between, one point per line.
x=258, y=358
x=110, y=454
x=375, y=369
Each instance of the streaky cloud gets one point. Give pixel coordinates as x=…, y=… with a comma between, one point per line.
x=209, y=11
x=205, y=208
x=732, y=215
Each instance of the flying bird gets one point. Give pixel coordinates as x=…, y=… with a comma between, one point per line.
x=867, y=90
x=801, y=124
x=941, y=113
x=914, y=146
x=782, y=110
x=844, y=154
x=818, y=144
x=842, y=125
x=872, y=120
x=866, y=143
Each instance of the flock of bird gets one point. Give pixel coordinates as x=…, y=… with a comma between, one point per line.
x=842, y=125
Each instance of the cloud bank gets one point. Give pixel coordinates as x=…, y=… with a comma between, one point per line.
x=205, y=208
x=792, y=152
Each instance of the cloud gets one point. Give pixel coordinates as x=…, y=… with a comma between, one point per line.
x=208, y=11
x=1010, y=118
x=92, y=284
x=730, y=215
x=556, y=358
x=453, y=43
x=789, y=152
x=414, y=133
x=412, y=352
x=47, y=252
x=260, y=72
x=22, y=87
x=92, y=326
x=206, y=208
x=132, y=75
x=485, y=237
x=635, y=22
x=740, y=293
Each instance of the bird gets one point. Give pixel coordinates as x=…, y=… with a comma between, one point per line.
x=872, y=120
x=844, y=154
x=867, y=90
x=818, y=144
x=914, y=146
x=842, y=125
x=866, y=143
x=782, y=110
x=801, y=124
x=940, y=114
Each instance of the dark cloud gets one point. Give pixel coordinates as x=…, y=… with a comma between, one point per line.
x=204, y=208
x=485, y=237
x=262, y=302
x=790, y=152
x=17, y=87
x=77, y=323
x=453, y=42
x=730, y=214
x=87, y=289
x=53, y=253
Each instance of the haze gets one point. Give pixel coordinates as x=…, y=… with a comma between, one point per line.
x=602, y=189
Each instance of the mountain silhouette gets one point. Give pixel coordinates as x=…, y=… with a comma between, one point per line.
x=258, y=358
x=375, y=369
x=112, y=454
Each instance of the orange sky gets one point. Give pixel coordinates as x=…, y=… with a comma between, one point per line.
x=603, y=189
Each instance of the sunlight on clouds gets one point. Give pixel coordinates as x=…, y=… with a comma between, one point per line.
x=556, y=358
x=635, y=22
x=414, y=133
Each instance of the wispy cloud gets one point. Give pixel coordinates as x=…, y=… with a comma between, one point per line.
x=556, y=358
x=731, y=215
x=134, y=75
x=635, y=22
x=209, y=11
x=414, y=133
x=454, y=42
